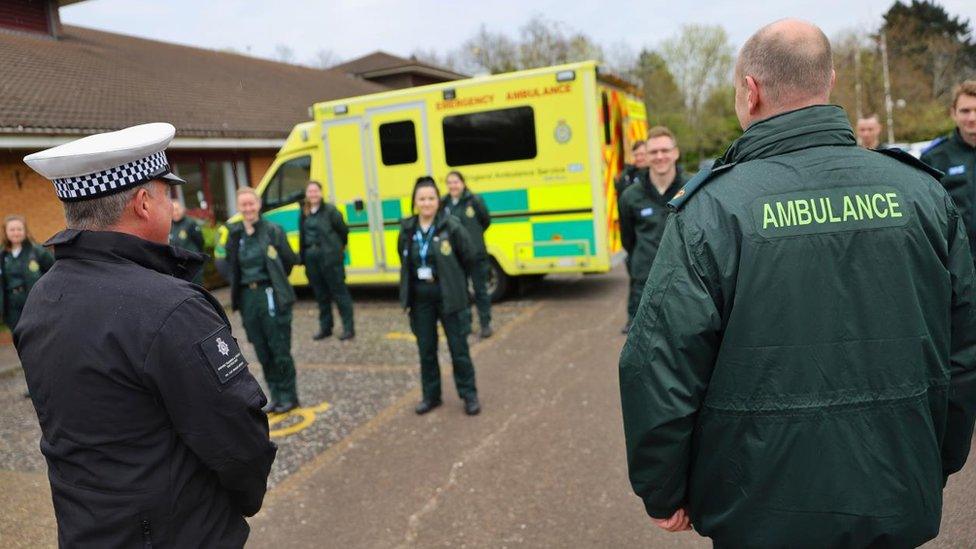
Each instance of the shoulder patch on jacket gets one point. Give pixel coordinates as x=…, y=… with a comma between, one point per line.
x=701, y=178
x=223, y=355
x=935, y=143
x=906, y=158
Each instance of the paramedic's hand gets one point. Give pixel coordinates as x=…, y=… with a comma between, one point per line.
x=678, y=522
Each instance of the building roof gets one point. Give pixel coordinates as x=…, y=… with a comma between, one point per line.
x=380, y=63
x=88, y=81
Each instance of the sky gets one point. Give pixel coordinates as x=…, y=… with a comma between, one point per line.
x=350, y=28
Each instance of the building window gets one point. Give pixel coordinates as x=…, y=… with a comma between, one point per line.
x=490, y=136
x=211, y=185
x=398, y=143
x=290, y=178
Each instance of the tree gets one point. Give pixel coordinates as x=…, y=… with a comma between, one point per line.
x=324, y=59
x=700, y=58
x=284, y=53
x=489, y=51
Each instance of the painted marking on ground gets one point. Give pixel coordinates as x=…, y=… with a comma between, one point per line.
x=306, y=416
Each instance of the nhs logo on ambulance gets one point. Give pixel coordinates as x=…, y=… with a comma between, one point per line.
x=956, y=170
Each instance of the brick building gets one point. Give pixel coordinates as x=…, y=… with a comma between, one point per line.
x=232, y=112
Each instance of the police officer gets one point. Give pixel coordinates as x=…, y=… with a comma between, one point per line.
x=21, y=265
x=259, y=260
x=185, y=233
x=471, y=211
x=643, y=210
x=436, y=259
x=802, y=368
x=151, y=423
x=632, y=172
x=955, y=156
x=323, y=235
x=869, y=131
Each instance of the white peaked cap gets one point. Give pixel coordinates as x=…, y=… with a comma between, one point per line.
x=106, y=163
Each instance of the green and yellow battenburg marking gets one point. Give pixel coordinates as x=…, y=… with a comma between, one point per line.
x=830, y=210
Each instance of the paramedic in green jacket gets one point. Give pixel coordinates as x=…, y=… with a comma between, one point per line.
x=259, y=259
x=21, y=265
x=471, y=211
x=955, y=156
x=644, y=210
x=323, y=235
x=802, y=367
x=185, y=233
x=436, y=257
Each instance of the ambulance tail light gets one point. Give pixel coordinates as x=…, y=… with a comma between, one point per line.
x=340, y=109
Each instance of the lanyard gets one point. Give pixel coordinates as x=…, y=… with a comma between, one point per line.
x=423, y=242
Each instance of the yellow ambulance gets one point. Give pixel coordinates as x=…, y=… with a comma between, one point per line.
x=542, y=147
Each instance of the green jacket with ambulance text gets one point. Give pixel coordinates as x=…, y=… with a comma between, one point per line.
x=802, y=368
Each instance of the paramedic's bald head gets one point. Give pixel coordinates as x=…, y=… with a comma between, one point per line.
x=786, y=65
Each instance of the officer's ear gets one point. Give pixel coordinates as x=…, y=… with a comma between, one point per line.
x=753, y=94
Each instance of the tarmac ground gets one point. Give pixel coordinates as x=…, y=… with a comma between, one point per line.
x=542, y=466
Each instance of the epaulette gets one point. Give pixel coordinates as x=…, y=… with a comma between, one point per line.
x=701, y=178
x=935, y=143
x=906, y=158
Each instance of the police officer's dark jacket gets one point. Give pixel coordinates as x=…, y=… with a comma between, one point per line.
x=151, y=423
x=279, y=260
x=628, y=176
x=36, y=258
x=957, y=160
x=802, y=368
x=473, y=214
x=453, y=257
x=643, y=213
x=186, y=234
x=332, y=230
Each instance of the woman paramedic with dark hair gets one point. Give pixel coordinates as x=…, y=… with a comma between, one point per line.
x=436, y=256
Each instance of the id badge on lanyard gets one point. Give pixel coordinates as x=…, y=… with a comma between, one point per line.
x=424, y=272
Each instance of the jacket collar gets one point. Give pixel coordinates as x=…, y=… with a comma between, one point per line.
x=816, y=126
x=119, y=247
x=465, y=195
x=669, y=193
x=956, y=138
x=412, y=223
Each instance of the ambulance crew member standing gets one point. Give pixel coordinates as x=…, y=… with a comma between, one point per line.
x=632, y=172
x=471, y=211
x=435, y=257
x=21, y=265
x=185, y=233
x=323, y=235
x=955, y=156
x=644, y=210
x=259, y=259
x=802, y=368
x=150, y=422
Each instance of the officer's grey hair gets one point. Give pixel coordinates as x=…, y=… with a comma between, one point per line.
x=100, y=213
x=791, y=63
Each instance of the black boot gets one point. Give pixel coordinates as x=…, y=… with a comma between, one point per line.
x=322, y=334
x=486, y=332
x=269, y=407
x=285, y=407
x=346, y=336
x=426, y=406
x=471, y=405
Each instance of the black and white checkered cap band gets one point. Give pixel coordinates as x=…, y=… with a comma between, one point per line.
x=113, y=180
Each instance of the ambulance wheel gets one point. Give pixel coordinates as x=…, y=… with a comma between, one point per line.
x=499, y=283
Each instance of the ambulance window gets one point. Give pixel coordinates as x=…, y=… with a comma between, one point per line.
x=490, y=136
x=292, y=176
x=398, y=143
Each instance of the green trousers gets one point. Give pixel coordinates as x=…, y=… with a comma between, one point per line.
x=479, y=280
x=13, y=305
x=424, y=314
x=634, y=296
x=269, y=330
x=329, y=284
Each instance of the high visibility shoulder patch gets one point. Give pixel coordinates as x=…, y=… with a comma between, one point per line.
x=906, y=158
x=700, y=180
